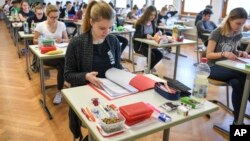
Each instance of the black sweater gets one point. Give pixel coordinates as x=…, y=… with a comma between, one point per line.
x=79, y=57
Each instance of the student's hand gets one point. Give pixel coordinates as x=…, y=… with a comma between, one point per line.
x=91, y=77
x=230, y=55
x=243, y=54
x=59, y=40
x=149, y=37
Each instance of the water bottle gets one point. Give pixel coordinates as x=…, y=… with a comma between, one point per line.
x=114, y=27
x=66, y=14
x=200, y=81
x=26, y=27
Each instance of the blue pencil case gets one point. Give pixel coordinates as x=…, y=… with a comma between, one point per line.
x=160, y=89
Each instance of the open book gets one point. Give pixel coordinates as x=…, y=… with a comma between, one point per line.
x=61, y=45
x=119, y=83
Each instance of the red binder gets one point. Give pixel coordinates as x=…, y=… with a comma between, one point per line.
x=135, y=112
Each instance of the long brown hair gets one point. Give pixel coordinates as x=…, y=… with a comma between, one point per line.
x=237, y=13
x=146, y=15
x=95, y=11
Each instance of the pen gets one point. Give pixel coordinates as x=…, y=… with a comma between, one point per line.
x=91, y=116
x=85, y=113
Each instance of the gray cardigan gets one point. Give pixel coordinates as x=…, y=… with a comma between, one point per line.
x=79, y=57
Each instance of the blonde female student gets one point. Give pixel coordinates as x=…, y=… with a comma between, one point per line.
x=222, y=45
x=91, y=53
x=53, y=29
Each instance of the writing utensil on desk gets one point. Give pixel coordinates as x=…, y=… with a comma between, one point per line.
x=90, y=114
x=86, y=114
x=162, y=116
x=103, y=110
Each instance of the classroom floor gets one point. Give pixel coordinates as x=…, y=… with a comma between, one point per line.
x=22, y=117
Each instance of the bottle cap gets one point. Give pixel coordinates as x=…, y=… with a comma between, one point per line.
x=204, y=60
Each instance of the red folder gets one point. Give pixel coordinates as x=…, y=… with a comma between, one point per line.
x=142, y=82
x=135, y=112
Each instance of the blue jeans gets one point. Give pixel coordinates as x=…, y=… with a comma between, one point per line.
x=235, y=79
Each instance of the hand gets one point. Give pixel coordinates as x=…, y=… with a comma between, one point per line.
x=243, y=54
x=59, y=40
x=91, y=77
x=149, y=37
x=230, y=55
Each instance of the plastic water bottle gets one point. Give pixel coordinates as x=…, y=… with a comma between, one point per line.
x=26, y=27
x=200, y=81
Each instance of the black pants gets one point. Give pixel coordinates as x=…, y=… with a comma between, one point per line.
x=59, y=64
x=124, y=42
x=235, y=79
x=156, y=55
x=75, y=124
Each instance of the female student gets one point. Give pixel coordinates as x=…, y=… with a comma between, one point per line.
x=145, y=27
x=53, y=29
x=222, y=45
x=90, y=54
x=25, y=11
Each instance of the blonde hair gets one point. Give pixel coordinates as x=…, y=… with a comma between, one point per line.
x=95, y=11
x=163, y=9
x=51, y=8
x=237, y=13
x=38, y=7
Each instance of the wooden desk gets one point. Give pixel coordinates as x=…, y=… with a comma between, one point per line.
x=239, y=67
x=79, y=97
x=153, y=44
x=42, y=57
x=26, y=38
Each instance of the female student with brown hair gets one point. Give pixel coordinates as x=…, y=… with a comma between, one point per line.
x=91, y=53
x=53, y=29
x=145, y=27
x=222, y=45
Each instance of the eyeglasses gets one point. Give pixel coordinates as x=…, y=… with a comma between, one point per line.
x=53, y=17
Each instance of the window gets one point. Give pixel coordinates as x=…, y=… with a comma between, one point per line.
x=139, y=3
x=194, y=6
x=160, y=3
x=120, y=3
x=238, y=3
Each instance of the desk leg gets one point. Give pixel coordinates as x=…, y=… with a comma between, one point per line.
x=90, y=137
x=27, y=54
x=16, y=42
x=43, y=101
x=149, y=59
x=166, y=134
x=244, y=100
x=176, y=61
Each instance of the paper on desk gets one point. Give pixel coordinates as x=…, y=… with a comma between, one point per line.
x=245, y=60
x=61, y=45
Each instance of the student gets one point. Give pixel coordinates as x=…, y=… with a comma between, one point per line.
x=15, y=8
x=90, y=54
x=205, y=25
x=199, y=15
x=171, y=11
x=54, y=29
x=125, y=11
x=37, y=18
x=68, y=11
x=162, y=16
x=141, y=11
x=25, y=11
x=6, y=6
x=222, y=45
x=132, y=15
x=145, y=27
x=81, y=12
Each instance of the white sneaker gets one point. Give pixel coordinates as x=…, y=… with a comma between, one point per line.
x=58, y=98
